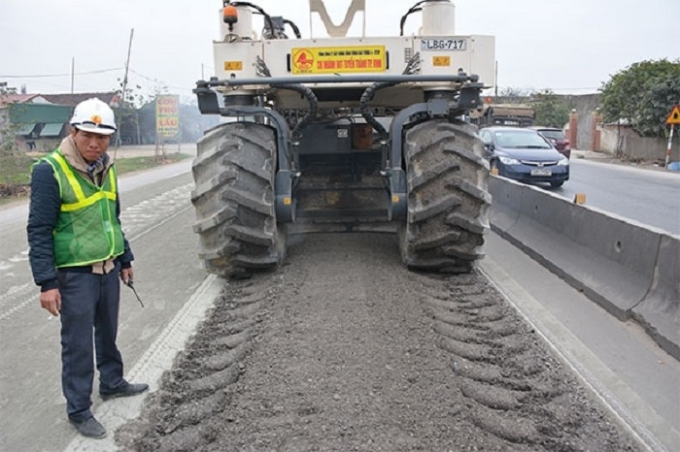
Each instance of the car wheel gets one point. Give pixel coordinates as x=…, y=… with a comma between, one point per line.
x=556, y=184
x=494, y=168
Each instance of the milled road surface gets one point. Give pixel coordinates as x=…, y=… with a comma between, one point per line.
x=342, y=349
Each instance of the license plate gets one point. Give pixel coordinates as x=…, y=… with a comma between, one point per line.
x=541, y=172
x=443, y=44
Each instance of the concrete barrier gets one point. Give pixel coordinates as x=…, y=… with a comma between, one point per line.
x=506, y=203
x=629, y=269
x=659, y=312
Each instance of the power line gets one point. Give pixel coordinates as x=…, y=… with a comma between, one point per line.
x=101, y=71
x=539, y=90
x=574, y=89
x=182, y=88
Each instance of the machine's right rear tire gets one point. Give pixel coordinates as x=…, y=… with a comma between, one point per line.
x=234, y=200
x=448, y=197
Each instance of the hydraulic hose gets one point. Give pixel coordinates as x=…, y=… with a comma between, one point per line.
x=267, y=17
x=367, y=97
x=295, y=28
x=313, y=105
x=412, y=66
x=414, y=9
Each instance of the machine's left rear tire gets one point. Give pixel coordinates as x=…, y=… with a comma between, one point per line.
x=234, y=199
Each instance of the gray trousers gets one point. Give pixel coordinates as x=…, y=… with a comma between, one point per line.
x=89, y=304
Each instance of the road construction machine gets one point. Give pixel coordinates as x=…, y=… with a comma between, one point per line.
x=340, y=133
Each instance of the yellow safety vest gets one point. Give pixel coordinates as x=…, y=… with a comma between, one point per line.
x=87, y=230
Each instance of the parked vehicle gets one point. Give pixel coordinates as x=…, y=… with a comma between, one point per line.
x=557, y=138
x=524, y=155
x=517, y=115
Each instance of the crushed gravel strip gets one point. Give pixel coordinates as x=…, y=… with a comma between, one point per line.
x=342, y=349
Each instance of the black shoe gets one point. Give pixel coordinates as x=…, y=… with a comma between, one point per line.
x=131, y=389
x=90, y=428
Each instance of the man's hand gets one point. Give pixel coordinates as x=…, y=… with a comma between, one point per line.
x=126, y=275
x=51, y=300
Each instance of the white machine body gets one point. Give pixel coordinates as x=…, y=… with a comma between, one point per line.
x=441, y=52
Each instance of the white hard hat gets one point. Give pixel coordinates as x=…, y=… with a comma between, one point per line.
x=93, y=115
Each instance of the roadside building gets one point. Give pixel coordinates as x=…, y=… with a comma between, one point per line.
x=38, y=127
x=38, y=122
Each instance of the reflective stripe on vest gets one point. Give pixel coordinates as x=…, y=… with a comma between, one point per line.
x=87, y=230
x=82, y=200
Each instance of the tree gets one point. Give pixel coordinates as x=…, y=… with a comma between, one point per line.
x=657, y=102
x=7, y=128
x=549, y=109
x=642, y=95
x=513, y=92
x=127, y=113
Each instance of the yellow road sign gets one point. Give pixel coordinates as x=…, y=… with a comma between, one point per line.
x=674, y=116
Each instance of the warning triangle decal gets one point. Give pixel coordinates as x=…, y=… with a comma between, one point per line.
x=674, y=116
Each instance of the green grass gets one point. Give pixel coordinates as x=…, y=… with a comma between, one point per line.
x=15, y=171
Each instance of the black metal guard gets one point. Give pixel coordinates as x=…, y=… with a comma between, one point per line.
x=467, y=100
x=276, y=81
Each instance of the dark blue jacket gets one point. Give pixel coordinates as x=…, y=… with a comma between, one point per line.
x=42, y=219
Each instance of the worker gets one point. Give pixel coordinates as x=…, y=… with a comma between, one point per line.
x=77, y=253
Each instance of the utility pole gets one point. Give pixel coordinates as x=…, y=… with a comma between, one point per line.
x=125, y=81
x=496, y=87
x=73, y=73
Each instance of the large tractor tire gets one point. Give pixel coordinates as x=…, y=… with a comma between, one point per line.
x=448, y=198
x=234, y=200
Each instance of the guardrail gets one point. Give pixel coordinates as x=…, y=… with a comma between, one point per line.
x=631, y=270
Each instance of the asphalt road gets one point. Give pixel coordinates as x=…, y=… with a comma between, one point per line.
x=647, y=196
x=158, y=216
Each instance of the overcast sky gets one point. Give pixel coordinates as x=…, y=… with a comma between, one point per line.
x=569, y=46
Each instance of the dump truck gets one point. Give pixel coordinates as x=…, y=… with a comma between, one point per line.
x=342, y=134
x=514, y=115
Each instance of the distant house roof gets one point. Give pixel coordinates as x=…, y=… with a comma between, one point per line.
x=27, y=113
x=7, y=99
x=74, y=99
x=52, y=129
x=26, y=129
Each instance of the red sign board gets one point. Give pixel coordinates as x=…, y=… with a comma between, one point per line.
x=167, y=116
